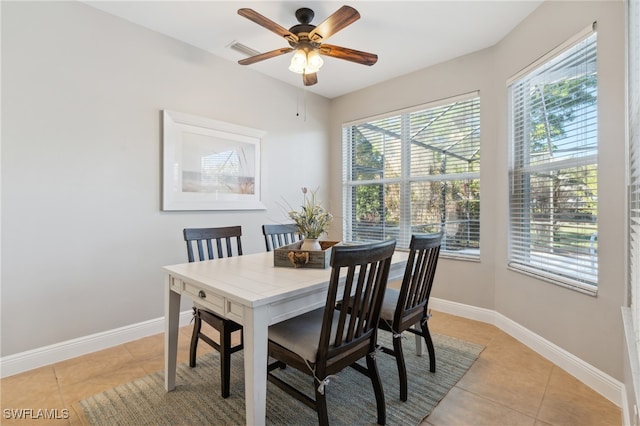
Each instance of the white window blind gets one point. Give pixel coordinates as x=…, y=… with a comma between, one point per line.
x=416, y=171
x=634, y=161
x=553, y=172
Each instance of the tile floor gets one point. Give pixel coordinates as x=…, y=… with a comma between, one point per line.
x=507, y=385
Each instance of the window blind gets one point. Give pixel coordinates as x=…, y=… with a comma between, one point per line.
x=634, y=161
x=553, y=172
x=415, y=172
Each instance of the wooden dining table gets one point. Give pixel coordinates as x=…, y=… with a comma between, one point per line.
x=251, y=291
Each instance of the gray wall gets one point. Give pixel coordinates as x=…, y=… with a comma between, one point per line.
x=83, y=237
x=588, y=327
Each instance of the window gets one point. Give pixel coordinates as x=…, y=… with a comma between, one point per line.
x=415, y=172
x=553, y=172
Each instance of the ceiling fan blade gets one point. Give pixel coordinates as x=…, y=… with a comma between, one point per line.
x=347, y=54
x=267, y=23
x=310, y=79
x=344, y=16
x=266, y=55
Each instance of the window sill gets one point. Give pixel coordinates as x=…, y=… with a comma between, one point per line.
x=467, y=257
x=554, y=279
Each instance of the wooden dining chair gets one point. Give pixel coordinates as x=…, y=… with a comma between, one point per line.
x=403, y=309
x=213, y=243
x=278, y=235
x=325, y=341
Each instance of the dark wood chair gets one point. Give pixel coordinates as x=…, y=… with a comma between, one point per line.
x=213, y=243
x=325, y=341
x=406, y=307
x=278, y=235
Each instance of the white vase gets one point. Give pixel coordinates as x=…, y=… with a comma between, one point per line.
x=310, y=244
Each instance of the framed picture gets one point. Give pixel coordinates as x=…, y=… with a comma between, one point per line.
x=209, y=164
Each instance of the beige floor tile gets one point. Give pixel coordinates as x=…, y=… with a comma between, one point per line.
x=570, y=402
x=32, y=398
x=98, y=363
x=153, y=346
x=469, y=330
x=147, y=347
x=462, y=408
x=153, y=365
x=509, y=373
x=38, y=386
x=51, y=418
x=76, y=391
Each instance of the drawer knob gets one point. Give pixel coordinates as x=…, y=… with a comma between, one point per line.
x=202, y=294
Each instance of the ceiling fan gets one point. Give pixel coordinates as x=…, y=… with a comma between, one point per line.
x=308, y=41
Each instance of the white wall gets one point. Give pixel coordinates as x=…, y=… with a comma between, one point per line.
x=588, y=327
x=83, y=237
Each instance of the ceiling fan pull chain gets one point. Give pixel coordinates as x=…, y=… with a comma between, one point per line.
x=301, y=99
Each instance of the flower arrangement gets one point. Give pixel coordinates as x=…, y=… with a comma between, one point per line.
x=312, y=220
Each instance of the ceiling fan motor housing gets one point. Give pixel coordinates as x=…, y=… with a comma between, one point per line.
x=304, y=15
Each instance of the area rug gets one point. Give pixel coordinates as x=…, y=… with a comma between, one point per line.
x=350, y=399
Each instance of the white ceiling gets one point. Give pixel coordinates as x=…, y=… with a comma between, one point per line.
x=406, y=35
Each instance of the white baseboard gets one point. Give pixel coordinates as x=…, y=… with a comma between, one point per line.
x=39, y=357
x=602, y=383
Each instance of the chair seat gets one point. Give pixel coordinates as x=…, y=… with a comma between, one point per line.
x=389, y=304
x=301, y=334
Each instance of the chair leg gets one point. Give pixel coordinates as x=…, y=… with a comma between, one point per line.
x=225, y=361
x=430, y=348
x=197, y=325
x=418, y=340
x=377, y=389
x=402, y=369
x=321, y=406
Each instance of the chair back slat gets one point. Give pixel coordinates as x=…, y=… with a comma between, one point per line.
x=349, y=326
x=362, y=295
x=278, y=235
x=424, y=251
x=212, y=243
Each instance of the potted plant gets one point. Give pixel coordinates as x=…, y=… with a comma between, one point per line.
x=312, y=220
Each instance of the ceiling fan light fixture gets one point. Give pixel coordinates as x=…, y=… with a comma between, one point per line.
x=298, y=61
x=305, y=61
x=314, y=61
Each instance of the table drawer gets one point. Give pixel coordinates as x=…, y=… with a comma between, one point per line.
x=209, y=300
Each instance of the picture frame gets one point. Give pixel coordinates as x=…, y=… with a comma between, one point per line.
x=209, y=164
